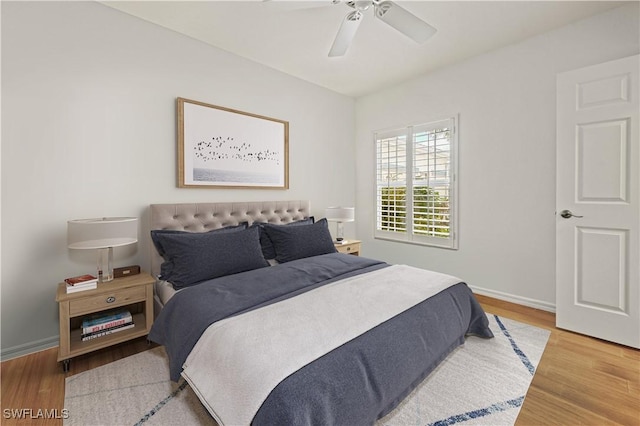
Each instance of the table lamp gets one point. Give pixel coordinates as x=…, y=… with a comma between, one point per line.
x=103, y=234
x=340, y=215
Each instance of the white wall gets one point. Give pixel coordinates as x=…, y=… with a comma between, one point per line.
x=89, y=130
x=506, y=101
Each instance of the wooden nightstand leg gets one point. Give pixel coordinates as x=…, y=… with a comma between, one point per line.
x=65, y=365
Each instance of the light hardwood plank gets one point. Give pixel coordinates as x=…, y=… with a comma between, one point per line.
x=580, y=379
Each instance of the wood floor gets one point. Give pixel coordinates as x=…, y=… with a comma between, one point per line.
x=580, y=380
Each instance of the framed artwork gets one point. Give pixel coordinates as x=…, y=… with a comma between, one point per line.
x=224, y=148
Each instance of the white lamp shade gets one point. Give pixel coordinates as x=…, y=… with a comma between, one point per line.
x=340, y=214
x=102, y=232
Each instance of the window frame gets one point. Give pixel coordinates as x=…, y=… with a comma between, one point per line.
x=408, y=236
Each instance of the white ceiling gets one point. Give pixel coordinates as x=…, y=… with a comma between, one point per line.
x=296, y=40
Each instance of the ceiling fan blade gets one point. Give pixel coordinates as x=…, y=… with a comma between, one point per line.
x=345, y=34
x=404, y=21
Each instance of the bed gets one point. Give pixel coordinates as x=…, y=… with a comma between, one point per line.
x=270, y=325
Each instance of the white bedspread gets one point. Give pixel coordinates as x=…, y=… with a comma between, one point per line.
x=239, y=360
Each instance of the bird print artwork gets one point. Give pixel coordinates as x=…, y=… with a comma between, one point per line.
x=226, y=148
x=231, y=148
x=226, y=159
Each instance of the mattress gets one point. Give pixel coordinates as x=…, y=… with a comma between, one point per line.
x=164, y=291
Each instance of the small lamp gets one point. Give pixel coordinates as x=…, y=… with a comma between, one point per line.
x=104, y=234
x=340, y=215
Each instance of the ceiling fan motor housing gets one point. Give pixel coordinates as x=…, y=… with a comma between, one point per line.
x=360, y=5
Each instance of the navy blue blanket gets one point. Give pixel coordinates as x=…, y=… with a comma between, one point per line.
x=190, y=311
x=367, y=377
x=355, y=384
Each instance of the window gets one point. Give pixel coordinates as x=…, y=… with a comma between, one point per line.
x=416, y=171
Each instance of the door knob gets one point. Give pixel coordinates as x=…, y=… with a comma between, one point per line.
x=567, y=214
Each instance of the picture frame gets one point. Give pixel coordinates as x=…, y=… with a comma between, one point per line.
x=221, y=147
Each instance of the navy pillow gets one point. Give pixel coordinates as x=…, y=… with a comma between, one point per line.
x=297, y=242
x=265, y=241
x=157, y=233
x=190, y=260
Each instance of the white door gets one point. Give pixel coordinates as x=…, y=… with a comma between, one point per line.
x=598, y=182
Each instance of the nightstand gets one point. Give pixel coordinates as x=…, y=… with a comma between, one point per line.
x=133, y=292
x=350, y=247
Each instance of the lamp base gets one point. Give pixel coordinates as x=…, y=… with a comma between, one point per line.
x=340, y=231
x=105, y=264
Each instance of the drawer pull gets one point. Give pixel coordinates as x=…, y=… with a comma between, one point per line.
x=348, y=248
x=111, y=299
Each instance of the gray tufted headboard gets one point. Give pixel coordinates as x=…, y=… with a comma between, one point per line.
x=203, y=217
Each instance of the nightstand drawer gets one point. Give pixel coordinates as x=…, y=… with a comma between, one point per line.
x=350, y=247
x=103, y=301
x=347, y=249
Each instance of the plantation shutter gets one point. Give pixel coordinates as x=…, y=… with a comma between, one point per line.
x=391, y=148
x=416, y=185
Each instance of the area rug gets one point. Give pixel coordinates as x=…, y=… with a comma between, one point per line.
x=483, y=382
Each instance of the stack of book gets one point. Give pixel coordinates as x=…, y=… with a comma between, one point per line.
x=106, y=323
x=81, y=283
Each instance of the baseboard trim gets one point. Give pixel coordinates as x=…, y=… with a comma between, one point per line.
x=532, y=303
x=29, y=348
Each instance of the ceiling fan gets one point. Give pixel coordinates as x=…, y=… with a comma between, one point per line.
x=385, y=10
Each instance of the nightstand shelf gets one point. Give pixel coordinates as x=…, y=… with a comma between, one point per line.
x=77, y=346
x=135, y=293
x=350, y=247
